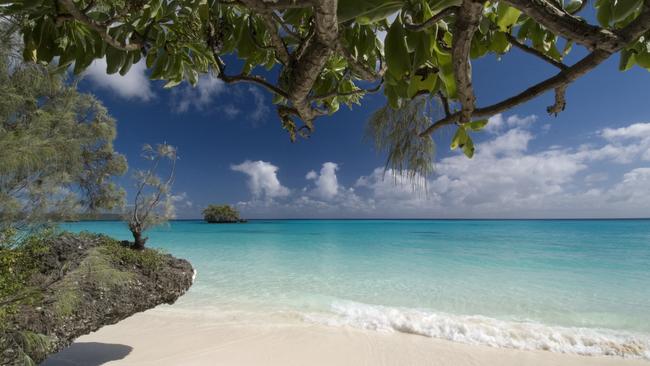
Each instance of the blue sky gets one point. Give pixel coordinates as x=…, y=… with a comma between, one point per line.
x=593, y=160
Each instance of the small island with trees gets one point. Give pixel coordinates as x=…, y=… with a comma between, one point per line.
x=222, y=214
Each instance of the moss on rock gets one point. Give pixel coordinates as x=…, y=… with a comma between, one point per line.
x=86, y=281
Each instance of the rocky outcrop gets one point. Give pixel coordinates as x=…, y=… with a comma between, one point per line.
x=86, y=282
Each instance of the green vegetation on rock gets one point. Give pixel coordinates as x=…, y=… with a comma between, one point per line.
x=221, y=214
x=59, y=286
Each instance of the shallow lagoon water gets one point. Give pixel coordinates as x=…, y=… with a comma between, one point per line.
x=563, y=285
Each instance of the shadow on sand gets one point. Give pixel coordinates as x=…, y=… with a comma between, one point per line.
x=88, y=354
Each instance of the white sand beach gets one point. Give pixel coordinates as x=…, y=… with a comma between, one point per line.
x=164, y=338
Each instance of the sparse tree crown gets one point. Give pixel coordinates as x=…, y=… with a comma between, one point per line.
x=56, y=148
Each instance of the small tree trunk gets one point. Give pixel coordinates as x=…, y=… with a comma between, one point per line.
x=138, y=240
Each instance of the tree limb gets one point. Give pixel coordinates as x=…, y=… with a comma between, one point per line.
x=357, y=66
x=232, y=79
x=530, y=50
x=273, y=4
x=563, y=78
x=99, y=28
x=353, y=92
x=560, y=101
x=467, y=20
x=281, y=51
x=566, y=25
x=417, y=27
x=307, y=68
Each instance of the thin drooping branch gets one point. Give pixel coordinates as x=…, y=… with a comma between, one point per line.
x=445, y=103
x=563, y=78
x=232, y=79
x=99, y=28
x=344, y=94
x=530, y=50
x=281, y=51
x=467, y=21
x=284, y=26
x=560, y=101
x=417, y=27
x=272, y=4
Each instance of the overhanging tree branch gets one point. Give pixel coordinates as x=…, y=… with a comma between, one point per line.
x=566, y=25
x=308, y=67
x=560, y=81
x=359, y=67
x=563, y=78
x=530, y=50
x=467, y=20
x=99, y=28
x=417, y=27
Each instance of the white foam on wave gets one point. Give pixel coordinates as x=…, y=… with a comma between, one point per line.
x=487, y=331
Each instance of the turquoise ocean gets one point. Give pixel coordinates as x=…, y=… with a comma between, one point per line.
x=574, y=286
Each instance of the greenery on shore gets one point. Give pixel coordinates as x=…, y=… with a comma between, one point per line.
x=56, y=287
x=57, y=147
x=221, y=214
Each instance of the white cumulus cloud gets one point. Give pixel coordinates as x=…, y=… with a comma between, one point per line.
x=263, y=180
x=505, y=179
x=198, y=97
x=327, y=185
x=134, y=85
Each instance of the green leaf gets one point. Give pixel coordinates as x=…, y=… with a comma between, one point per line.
x=573, y=5
x=172, y=83
x=477, y=125
x=624, y=8
x=127, y=64
x=397, y=55
x=367, y=11
x=419, y=84
x=506, y=16
x=643, y=59
x=468, y=147
x=604, y=13
x=460, y=138
x=499, y=43
x=114, y=60
x=627, y=60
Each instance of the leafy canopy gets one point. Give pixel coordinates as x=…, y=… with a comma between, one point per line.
x=221, y=213
x=325, y=53
x=57, y=147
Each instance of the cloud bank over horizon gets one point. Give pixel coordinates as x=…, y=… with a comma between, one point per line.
x=505, y=179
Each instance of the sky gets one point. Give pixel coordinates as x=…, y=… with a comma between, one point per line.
x=591, y=161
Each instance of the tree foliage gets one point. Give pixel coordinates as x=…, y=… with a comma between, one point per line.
x=153, y=203
x=57, y=156
x=325, y=53
x=221, y=214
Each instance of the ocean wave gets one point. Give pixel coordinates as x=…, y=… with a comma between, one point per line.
x=487, y=331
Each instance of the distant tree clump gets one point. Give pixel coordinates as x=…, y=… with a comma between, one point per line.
x=221, y=214
x=153, y=203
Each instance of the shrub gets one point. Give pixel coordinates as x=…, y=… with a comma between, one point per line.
x=221, y=214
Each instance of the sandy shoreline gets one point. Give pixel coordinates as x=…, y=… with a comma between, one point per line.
x=165, y=339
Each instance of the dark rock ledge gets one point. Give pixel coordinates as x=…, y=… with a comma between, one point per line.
x=90, y=281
